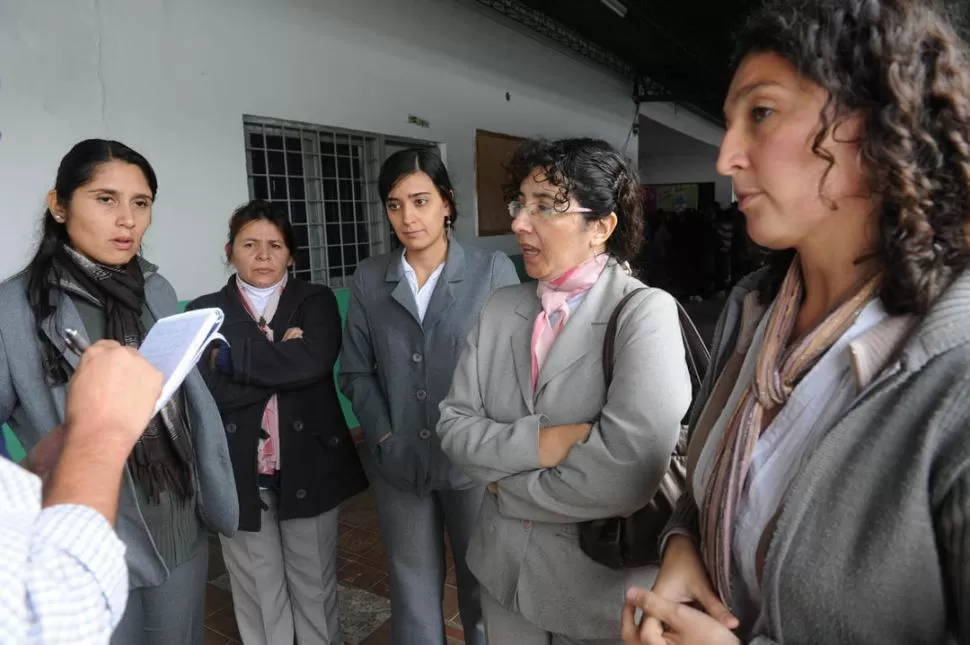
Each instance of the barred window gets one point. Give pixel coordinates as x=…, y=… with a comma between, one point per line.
x=325, y=180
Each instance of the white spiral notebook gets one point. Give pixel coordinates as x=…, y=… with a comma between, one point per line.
x=174, y=345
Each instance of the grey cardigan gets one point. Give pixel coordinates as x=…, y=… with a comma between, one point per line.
x=395, y=369
x=872, y=543
x=33, y=407
x=525, y=548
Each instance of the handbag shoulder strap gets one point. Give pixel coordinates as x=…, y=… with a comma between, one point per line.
x=609, y=339
x=695, y=349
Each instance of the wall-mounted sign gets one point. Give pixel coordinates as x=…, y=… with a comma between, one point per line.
x=418, y=121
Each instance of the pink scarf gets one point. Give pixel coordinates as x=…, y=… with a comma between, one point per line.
x=555, y=296
x=268, y=455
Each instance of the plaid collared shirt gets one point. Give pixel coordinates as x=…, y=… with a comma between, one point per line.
x=63, y=577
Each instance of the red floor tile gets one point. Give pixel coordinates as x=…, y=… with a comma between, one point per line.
x=361, y=563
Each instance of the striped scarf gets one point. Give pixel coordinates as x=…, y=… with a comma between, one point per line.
x=268, y=451
x=777, y=372
x=162, y=458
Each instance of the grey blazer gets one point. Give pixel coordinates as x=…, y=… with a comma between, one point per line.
x=525, y=549
x=33, y=408
x=395, y=369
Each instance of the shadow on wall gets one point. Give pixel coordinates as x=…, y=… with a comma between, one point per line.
x=343, y=298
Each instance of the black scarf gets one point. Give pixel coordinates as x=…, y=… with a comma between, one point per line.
x=162, y=457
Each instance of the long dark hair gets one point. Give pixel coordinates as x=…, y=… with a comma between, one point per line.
x=406, y=162
x=77, y=168
x=901, y=66
x=593, y=173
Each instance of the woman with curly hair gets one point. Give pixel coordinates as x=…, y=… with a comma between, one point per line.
x=829, y=466
x=528, y=412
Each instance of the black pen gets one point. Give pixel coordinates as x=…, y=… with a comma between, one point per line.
x=75, y=342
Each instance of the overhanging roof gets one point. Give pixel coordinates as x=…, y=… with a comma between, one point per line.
x=680, y=50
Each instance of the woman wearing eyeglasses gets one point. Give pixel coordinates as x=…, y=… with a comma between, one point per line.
x=528, y=412
x=409, y=314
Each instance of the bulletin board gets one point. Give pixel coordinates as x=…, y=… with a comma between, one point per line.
x=492, y=152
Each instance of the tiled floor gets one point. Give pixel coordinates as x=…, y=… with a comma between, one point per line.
x=362, y=573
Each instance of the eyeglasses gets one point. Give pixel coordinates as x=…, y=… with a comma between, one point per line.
x=544, y=211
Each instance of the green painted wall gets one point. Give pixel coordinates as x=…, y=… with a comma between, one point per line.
x=13, y=446
x=343, y=298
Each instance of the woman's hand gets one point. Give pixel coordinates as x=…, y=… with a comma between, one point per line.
x=683, y=579
x=293, y=333
x=555, y=442
x=678, y=624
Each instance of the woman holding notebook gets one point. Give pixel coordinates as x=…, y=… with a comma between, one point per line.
x=87, y=275
x=292, y=454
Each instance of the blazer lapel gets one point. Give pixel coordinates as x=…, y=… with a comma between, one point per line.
x=521, y=340
x=578, y=338
x=402, y=290
x=65, y=317
x=443, y=297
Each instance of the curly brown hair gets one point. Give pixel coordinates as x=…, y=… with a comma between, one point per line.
x=594, y=174
x=901, y=66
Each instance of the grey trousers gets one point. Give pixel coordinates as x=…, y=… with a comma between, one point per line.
x=413, y=531
x=173, y=613
x=284, y=579
x=504, y=627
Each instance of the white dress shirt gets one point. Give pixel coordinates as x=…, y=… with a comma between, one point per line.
x=258, y=297
x=63, y=577
x=422, y=295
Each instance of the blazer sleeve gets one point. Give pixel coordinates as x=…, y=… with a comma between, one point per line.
x=953, y=534
x=618, y=469
x=8, y=396
x=358, y=370
x=294, y=363
x=228, y=393
x=503, y=272
x=485, y=449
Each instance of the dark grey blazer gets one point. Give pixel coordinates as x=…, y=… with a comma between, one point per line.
x=525, y=549
x=396, y=370
x=33, y=408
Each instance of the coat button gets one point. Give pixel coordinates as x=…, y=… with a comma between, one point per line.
x=298, y=425
x=333, y=441
x=421, y=394
x=417, y=357
x=301, y=494
x=424, y=434
x=231, y=428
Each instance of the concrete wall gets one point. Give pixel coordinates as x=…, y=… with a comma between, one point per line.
x=668, y=156
x=172, y=78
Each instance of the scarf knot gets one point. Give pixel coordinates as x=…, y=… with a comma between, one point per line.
x=554, y=296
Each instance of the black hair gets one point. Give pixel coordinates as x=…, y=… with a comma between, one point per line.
x=593, y=173
x=256, y=210
x=407, y=162
x=76, y=169
x=902, y=67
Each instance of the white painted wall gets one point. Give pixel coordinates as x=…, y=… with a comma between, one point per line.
x=677, y=118
x=172, y=78
x=667, y=156
x=687, y=170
